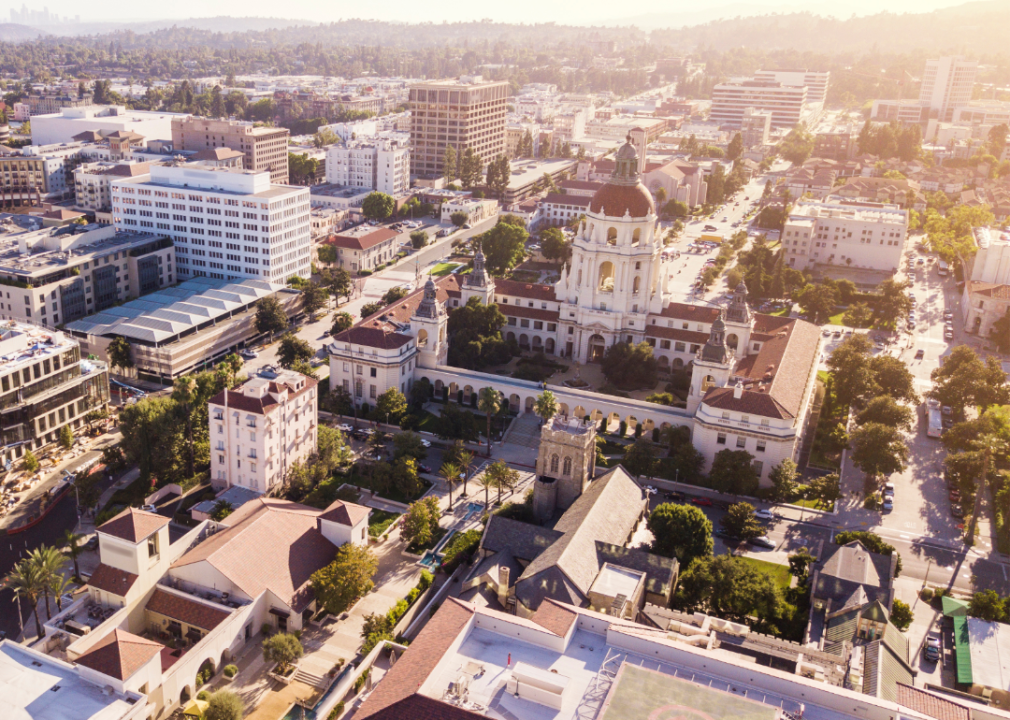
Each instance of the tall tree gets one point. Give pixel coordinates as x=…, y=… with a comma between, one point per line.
x=313, y=298
x=120, y=353
x=680, y=531
x=489, y=402
x=292, y=349
x=470, y=167
x=546, y=405
x=338, y=585
x=878, y=450
x=378, y=206
x=270, y=316
x=184, y=392
x=25, y=581
x=740, y=522
x=735, y=148
x=449, y=167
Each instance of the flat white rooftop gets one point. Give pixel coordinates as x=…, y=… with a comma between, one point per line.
x=36, y=687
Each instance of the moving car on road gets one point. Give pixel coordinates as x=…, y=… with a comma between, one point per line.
x=764, y=542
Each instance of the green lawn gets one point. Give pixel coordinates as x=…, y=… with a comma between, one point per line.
x=444, y=269
x=836, y=319
x=784, y=312
x=379, y=522
x=823, y=376
x=780, y=573
x=813, y=504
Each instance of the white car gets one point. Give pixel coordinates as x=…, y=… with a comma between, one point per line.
x=345, y=427
x=426, y=443
x=249, y=354
x=764, y=514
x=649, y=489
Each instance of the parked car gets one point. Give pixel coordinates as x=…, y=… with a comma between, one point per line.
x=948, y=315
x=955, y=495
x=248, y=354
x=889, y=489
x=920, y=354
x=764, y=514
x=345, y=427
x=673, y=495
x=703, y=501
x=424, y=468
x=425, y=442
x=92, y=543
x=956, y=510
x=948, y=335
x=931, y=650
x=764, y=542
x=888, y=504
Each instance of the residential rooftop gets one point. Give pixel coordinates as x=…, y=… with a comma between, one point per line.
x=22, y=344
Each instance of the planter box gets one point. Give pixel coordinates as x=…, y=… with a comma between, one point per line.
x=285, y=679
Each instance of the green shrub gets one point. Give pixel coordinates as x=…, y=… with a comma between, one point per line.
x=622, y=428
x=412, y=595
x=266, y=629
x=426, y=580
x=337, y=711
x=926, y=594
x=364, y=273
x=203, y=694
x=463, y=545
x=230, y=671
x=360, y=682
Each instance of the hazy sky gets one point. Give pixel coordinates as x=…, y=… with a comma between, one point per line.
x=563, y=11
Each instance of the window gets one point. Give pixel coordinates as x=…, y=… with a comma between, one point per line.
x=758, y=466
x=764, y=422
x=725, y=415
x=720, y=439
x=554, y=463
x=760, y=445
x=372, y=372
x=567, y=467
x=741, y=442
x=371, y=392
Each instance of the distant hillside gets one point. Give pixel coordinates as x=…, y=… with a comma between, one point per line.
x=212, y=24
x=12, y=32
x=976, y=28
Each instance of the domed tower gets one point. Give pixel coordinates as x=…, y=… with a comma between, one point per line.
x=712, y=366
x=738, y=321
x=614, y=278
x=479, y=282
x=428, y=326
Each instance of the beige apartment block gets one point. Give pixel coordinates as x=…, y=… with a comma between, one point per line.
x=265, y=148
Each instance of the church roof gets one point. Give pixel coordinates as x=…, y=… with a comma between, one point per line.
x=618, y=200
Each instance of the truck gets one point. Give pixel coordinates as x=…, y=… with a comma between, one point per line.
x=935, y=417
x=709, y=237
x=942, y=269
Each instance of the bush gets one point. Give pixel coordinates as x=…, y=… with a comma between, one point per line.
x=426, y=580
x=901, y=615
x=622, y=429
x=224, y=705
x=360, y=682
x=282, y=649
x=266, y=629
x=461, y=549
x=364, y=273
x=230, y=671
x=202, y=695
x=337, y=711
x=926, y=594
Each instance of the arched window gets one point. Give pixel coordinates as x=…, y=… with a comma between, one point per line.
x=554, y=463
x=634, y=288
x=422, y=338
x=636, y=237
x=568, y=466
x=611, y=236
x=578, y=282
x=732, y=341
x=606, y=283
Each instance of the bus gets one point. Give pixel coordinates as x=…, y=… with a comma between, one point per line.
x=942, y=268
x=935, y=418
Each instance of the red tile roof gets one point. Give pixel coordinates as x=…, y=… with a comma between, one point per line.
x=373, y=337
x=785, y=361
x=750, y=402
x=512, y=288
x=112, y=580
x=345, y=513
x=120, y=654
x=694, y=313
x=422, y=707
x=186, y=610
x=931, y=704
x=133, y=525
x=528, y=312
x=362, y=242
x=993, y=290
x=616, y=200
x=406, y=676
x=555, y=617
x=237, y=400
x=580, y=184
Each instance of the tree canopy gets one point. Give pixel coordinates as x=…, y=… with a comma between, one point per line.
x=378, y=206
x=475, y=330
x=503, y=247
x=680, y=531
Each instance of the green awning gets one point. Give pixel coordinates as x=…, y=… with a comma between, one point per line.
x=962, y=650
x=952, y=607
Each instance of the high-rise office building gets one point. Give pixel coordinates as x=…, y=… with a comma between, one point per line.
x=947, y=84
x=815, y=82
x=786, y=103
x=226, y=223
x=464, y=113
x=265, y=148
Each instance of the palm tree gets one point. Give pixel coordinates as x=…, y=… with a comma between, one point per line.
x=449, y=471
x=23, y=580
x=465, y=461
x=47, y=562
x=60, y=585
x=503, y=476
x=74, y=548
x=546, y=405
x=486, y=480
x=489, y=403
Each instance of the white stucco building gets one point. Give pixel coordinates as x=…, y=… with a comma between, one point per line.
x=752, y=375
x=62, y=126
x=850, y=233
x=261, y=428
x=381, y=165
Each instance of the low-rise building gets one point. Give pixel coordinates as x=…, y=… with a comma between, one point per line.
x=176, y=330
x=364, y=247
x=986, y=296
x=62, y=126
x=755, y=127
x=854, y=234
x=562, y=208
x=93, y=185
x=265, y=149
x=259, y=429
x=67, y=272
x=681, y=180
x=896, y=191
x=476, y=210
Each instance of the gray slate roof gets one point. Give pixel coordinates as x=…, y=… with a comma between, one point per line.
x=850, y=568
x=525, y=541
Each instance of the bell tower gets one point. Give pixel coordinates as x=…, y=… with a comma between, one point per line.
x=478, y=283
x=712, y=366
x=428, y=326
x=738, y=322
x=565, y=464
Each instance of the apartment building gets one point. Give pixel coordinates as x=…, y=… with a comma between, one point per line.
x=261, y=428
x=48, y=103
x=464, y=113
x=786, y=103
x=59, y=274
x=853, y=234
x=755, y=127
x=264, y=148
x=815, y=82
x=946, y=84
x=44, y=385
x=93, y=185
x=226, y=223
x=381, y=165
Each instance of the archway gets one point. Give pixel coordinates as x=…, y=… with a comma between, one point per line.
x=524, y=342
x=636, y=237
x=732, y=341
x=579, y=412
x=549, y=346
x=453, y=389
x=510, y=337
x=663, y=362
x=596, y=415
x=514, y=403
x=648, y=426
x=678, y=363
x=597, y=347
x=636, y=284
x=606, y=277
x=438, y=386
x=563, y=409
x=467, y=394
x=186, y=695
x=707, y=383
x=611, y=236
x=537, y=343
x=529, y=404
x=422, y=338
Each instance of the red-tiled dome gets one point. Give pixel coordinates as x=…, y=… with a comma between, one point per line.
x=615, y=200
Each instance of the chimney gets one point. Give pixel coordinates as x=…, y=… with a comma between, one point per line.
x=738, y=390
x=503, y=585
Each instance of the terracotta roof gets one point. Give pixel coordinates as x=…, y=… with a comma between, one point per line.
x=422, y=707
x=695, y=313
x=112, y=580
x=553, y=616
x=269, y=545
x=133, y=525
x=362, y=242
x=528, y=312
x=993, y=290
x=580, y=185
x=345, y=513
x=931, y=704
x=563, y=199
x=425, y=652
x=130, y=169
x=238, y=400
x=783, y=365
x=512, y=288
x=186, y=610
x=120, y=654
x=616, y=200
x=750, y=402
x=62, y=214
x=373, y=337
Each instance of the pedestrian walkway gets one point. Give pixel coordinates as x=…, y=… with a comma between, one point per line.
x=524, y=431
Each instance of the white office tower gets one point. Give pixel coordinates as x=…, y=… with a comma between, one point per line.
x=947, y=84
